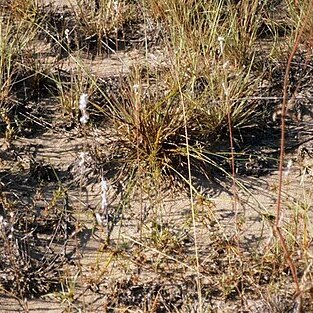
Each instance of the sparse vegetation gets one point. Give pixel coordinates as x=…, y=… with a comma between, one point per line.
x=140, y=147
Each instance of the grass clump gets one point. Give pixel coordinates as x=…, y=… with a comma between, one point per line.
x=199, y=98
x=153, y=119
x=150, y=124
x=103, y=24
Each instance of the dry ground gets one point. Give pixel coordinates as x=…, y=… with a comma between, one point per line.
x=149, y=261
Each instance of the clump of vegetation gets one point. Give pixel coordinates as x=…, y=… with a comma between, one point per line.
x=201, y=96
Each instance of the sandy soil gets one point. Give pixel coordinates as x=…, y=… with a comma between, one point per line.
x=99, y=269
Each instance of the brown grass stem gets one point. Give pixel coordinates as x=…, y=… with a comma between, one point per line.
x=282, y=156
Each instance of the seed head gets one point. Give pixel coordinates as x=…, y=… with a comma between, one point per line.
x=83, y=101
x=84, y=118
x=221, y=41
x=104, y=188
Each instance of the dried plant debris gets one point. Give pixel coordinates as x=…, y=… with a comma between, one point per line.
x=34, y=247
x=152, y=296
